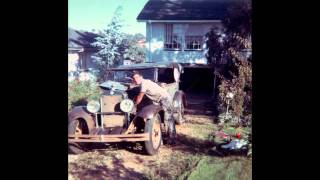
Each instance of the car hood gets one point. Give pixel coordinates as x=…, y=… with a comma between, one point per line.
x=113, y=84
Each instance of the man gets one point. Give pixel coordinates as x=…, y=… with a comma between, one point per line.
x=159, y=95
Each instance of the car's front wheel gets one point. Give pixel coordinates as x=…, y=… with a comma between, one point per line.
x=77, y=127
x=153, y=128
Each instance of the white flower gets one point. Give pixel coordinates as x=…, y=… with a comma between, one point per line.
x=230, y=95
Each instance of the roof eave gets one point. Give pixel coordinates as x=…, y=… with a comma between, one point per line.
x=193, y=21
x=75, y=49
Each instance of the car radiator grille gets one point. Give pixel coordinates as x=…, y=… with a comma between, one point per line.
x=112, y=104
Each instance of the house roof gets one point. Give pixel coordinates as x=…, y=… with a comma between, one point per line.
x=80, y=39
x=184, y=10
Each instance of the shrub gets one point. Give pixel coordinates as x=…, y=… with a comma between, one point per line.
x=80, y=92
x=241, y=86
x=227, y=49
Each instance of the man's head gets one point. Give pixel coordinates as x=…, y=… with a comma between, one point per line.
x=137, y=77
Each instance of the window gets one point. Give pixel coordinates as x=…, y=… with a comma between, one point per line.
x=83, y=61
x=194, y=36
x=183, y=36
x=172, y=39
x=193, y=42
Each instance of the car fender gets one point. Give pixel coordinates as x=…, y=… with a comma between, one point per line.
x=149, y=111
x=179, y=97
x=81, y=112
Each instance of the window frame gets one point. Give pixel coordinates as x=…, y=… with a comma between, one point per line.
x=192, y=38
x=175, y=42
x=172, y=39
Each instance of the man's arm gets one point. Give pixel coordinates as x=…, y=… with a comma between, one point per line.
x=139, y=98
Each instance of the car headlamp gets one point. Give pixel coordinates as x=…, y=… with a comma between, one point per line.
x=126, y=105
x=93, y=106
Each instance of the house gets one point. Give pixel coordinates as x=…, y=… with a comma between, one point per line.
x=73, y=58
x=80, y=50
x=175, y=32
x=176, y=29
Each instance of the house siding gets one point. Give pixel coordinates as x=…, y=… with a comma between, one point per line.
x=73, y=60
x=155, y=42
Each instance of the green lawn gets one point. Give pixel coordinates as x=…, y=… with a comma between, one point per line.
x=238, y=168
x=193, y=160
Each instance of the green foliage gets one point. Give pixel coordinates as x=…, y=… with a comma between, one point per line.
x=228, y=44
x=241, y=85
x=132, y=49
x=110, y=44
x=114, y=46
x=80, y=92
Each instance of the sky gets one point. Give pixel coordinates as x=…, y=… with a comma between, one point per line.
x=96, y=14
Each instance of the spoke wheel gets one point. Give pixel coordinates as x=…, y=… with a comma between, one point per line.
x=153, y=128
x=77, y=127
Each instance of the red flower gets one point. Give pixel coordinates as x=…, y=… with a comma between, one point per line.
x=238, y=135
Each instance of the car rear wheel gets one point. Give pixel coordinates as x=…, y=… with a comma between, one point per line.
x=153, y=128
x=179, y=115
x=77, y=127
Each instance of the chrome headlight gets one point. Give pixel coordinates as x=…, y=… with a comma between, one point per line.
x=126, y=105
x=93, y=106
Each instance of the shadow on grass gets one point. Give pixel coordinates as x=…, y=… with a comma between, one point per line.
x=202, y=112
x=193, y=145
x=197, y=122
x=89, y=169
x=199, y=104
x=194, y=109
x=134, y=147
x=205, y=147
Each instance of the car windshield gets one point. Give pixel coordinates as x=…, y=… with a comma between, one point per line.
x=126, y=75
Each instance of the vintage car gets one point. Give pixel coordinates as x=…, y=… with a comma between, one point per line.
x=116, y=119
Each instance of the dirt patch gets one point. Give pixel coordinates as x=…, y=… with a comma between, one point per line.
x=119, y=162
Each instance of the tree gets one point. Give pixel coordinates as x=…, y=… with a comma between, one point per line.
x=228, y=43
x=133, y=50
x=110, y=45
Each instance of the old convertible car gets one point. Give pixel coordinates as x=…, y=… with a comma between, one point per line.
x=116, y=119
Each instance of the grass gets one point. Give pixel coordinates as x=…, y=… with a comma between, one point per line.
x=200, y=131
x=237, y=168
x=194, y=161
x=178, y=164
x=200, y=127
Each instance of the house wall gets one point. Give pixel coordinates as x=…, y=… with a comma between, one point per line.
x=79, y=61
x=155, y=33
x=73, y=60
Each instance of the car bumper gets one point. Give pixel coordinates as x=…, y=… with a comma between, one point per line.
x=109, y=138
